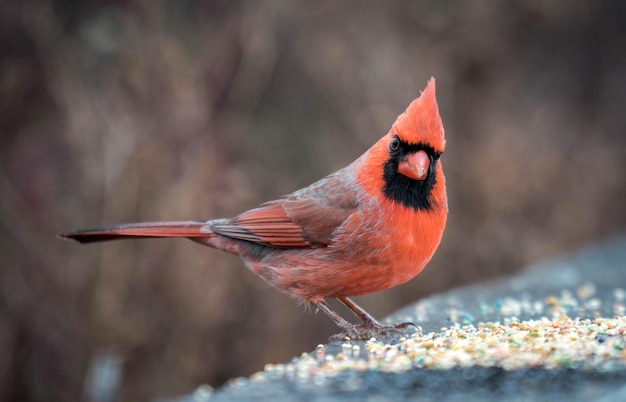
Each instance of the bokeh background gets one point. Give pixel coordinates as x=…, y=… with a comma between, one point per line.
x=115, y=111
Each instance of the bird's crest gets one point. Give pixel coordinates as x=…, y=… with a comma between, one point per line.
x=421, y=122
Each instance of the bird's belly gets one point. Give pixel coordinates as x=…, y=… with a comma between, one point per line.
x=320, y=273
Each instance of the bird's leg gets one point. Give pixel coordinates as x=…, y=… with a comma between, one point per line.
x=370, y=327
x=366, y=317
x=346, y=326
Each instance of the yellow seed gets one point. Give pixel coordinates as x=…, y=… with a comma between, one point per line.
x=551, y=300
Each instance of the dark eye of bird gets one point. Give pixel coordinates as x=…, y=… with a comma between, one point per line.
x=395, y=144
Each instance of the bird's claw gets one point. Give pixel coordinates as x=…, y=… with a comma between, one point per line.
x=371, y=330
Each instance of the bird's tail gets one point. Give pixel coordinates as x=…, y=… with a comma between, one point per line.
x=137, y=230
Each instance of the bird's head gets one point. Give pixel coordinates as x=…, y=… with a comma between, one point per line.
x=409, y=154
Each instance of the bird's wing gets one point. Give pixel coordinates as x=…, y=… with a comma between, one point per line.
x=302, y=219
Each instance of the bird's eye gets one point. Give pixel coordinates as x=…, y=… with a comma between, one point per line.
x=395, y=144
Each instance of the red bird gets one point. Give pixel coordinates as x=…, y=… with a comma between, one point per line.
x=370, y=226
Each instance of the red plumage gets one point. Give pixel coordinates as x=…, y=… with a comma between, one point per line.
x=368, y=227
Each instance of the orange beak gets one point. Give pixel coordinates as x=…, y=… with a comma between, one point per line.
x=415, y=165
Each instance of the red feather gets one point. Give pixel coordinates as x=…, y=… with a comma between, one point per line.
x=303, y=219
x=143, y=229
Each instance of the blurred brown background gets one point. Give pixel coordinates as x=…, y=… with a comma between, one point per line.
x=114, y=111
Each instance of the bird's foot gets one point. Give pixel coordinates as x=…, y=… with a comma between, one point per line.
x=372, y=329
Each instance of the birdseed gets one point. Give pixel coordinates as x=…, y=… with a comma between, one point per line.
x=552, y=341
x=598, y=344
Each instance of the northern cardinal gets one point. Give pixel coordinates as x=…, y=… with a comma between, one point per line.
x=370, y=226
